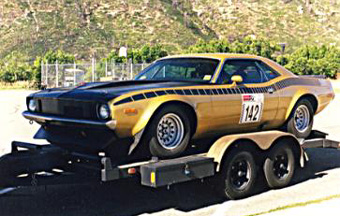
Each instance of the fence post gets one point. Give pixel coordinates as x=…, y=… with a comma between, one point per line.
x=105, y=68
x=142, y=65
x=114, y=69
x=42, y=72
x=74, y=73
x=56, y=74
x=131, y=70
x=46, y=73
x=93, y=69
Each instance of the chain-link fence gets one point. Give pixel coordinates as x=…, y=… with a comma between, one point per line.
x=68, y=75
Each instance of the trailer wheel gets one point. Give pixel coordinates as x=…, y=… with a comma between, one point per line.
x=279, y=165
x=238, y=174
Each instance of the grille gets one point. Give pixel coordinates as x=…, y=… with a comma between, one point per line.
x=69, y=108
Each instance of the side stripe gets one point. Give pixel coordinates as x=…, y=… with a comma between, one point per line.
x=221, y=91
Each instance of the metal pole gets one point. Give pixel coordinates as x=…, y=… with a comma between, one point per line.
x=93, y=70
x=113, y=69
x=131, y=68
x=42, y=72
x=46, y=73
x=56, y=74
x=106, y=68
x=74, y=73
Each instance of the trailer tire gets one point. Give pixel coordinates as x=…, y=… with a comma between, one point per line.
x=279, y=165
x=238, y=174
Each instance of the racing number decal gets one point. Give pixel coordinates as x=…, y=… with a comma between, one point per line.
x=252, y=106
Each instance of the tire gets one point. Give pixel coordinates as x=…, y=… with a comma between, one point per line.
x=238, y=174
x=169, y=132
x=279, y=165
x=301, y=127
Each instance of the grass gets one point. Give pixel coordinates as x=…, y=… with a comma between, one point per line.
x=300, y=204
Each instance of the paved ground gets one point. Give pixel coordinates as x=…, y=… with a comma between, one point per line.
x=320, y=179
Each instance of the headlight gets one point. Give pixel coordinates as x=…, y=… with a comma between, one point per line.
x=32, y=105
x=104, y=111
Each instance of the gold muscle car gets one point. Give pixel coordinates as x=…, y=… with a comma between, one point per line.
x=177, y=99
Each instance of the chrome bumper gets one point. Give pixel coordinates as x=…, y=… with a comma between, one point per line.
x=43, y=118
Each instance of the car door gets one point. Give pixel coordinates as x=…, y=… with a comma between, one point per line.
x=246, y=106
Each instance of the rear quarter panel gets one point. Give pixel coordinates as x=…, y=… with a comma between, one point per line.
x=321, y=90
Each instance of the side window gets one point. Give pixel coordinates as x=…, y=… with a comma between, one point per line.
x=269, y=72
x=247, y=69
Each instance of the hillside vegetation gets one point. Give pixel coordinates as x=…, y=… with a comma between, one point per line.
x=95, y=27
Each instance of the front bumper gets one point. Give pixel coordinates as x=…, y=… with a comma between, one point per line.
x=78, y=135
x=63, y=121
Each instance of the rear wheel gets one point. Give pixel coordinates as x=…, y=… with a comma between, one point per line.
x=300, y=122
x=279, y=166
x=238, y=174
x=169, y=132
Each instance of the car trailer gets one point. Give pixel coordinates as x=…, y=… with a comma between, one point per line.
x=233, y=161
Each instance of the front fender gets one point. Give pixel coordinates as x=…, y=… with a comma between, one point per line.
x=129, y=125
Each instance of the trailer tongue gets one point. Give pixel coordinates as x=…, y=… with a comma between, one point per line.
x=235, y=157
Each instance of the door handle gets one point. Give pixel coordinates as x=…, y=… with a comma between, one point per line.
x=270, y=90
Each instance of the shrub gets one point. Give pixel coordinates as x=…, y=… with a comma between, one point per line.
x=15, y=68
x=313, y=60
x=247, y=45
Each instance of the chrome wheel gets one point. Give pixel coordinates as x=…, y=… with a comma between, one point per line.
x=301, y=118
x=170, y=131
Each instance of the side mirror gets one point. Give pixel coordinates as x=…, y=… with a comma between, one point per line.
x=236, y=79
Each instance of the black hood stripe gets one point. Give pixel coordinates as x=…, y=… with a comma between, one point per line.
x=222, y=91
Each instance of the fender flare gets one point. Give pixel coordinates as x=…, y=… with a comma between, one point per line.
x=139, y=128
x=299, y=94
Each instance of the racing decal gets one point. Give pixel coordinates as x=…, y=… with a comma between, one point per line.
x=223, y=91
x=252, y=107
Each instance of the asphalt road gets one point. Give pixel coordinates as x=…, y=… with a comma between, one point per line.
x=318, y=180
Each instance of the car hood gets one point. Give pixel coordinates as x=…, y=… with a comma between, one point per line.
x=104, y=91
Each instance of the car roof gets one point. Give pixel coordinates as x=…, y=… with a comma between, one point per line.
x=222, y=56
x=214, y=55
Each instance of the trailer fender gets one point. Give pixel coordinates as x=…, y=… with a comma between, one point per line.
x=264, y=140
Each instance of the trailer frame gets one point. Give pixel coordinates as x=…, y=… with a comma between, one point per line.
x=32, y=164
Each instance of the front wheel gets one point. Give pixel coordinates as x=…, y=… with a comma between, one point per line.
x=169, y=132
x=300, y=122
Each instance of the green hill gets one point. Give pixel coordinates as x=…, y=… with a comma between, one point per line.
x=88, y=27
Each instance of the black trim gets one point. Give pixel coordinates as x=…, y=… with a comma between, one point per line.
x=125, y=100
x=150, y=94
x=138, y=97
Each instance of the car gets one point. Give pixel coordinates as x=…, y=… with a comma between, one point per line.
x=178, y=99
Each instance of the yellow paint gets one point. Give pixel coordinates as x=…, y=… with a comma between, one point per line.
x=218, y=114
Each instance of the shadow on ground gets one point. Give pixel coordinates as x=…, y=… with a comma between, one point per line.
x=126, y=197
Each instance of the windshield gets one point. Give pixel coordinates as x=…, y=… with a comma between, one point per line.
x=181, y=69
